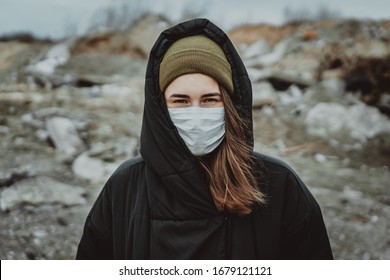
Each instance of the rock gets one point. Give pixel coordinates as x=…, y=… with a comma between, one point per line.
x=92, y=169
x=263, y=94
x=64, y=135
x=88, y=69
x=326, y=120
x=271, y=58
x=333, y=85
x=256, y=74
x=320, y=158
x=358, y=122
x=4, y=129
x=126, y=147
x=99, y=148
x=118, y=96
x=30, y=120
x=384, y=104
x=39, y=191
x=282, y=81
x=10, y=100
x=332, y=74
x=258, y=48
x=48, y=112
x=98, y=163
x=38, y=118
x=115, y=91
x=50, y=81
x=42, y=135
x=145, y=31
x=9, y=177
x=104, y=131
x=57, y=55
x=88, y=168
x=292, y=95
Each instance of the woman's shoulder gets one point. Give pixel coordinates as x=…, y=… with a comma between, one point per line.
x=284, y=184
x=129, y=165
x=270, y=163
x=129, y=175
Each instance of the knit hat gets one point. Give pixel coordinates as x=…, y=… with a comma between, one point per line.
x=196, y=54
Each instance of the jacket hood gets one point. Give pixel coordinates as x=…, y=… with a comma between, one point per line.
x=161, y=146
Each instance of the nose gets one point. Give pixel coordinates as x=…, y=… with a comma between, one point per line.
x=195, y=103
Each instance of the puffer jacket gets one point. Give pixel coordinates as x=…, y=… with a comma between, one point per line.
x=159, y=206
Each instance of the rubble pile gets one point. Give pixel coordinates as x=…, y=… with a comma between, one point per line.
x=71, y=113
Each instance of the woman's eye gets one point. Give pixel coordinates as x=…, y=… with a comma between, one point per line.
x=208, y=100
x=180, y=101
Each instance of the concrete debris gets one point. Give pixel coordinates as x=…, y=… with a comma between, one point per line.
x=258, y=74
x=258, y=48
x=263, y=94
x=86, y=68
x=320, y=158
x=115, y=91
x=145, y=31
x=38, y=118
x=45, y=113
x=9, y=100
x=38, y=191
x=292, y=95
x=42, y=135
x=127, y=147
x=4, y=129
x=64, y=135
x=9, y=177
x=271, y=58
x=358, y=122
x=334, y=85
x=98, y=163
x=282, y=81
x=56, y=56
x=93, y=169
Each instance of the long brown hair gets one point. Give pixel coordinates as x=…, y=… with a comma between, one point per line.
x=232, y=183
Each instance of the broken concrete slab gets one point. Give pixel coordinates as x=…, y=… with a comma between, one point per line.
x=39, y=191
x=282, y=81
x=348, y=124
x=263, y=94
x=258, y=48
x=64, y=135
x=93, y=169
x=9, y=177
x=273, y=57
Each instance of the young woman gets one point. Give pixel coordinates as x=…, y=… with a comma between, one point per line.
x=198, y=190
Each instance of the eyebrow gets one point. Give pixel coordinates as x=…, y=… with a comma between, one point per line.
x=177, y=95
x=211, y=94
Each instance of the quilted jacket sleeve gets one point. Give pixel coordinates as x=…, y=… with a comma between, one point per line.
x=305, y=235
x=96, y=240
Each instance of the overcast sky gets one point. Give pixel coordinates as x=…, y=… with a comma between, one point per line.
x=53, y=18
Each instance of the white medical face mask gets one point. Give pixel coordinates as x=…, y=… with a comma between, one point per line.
x=202, y=129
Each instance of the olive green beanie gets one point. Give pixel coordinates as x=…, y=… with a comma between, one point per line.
x=196, y=54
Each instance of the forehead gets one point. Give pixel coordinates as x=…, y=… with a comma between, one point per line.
x=192, y=85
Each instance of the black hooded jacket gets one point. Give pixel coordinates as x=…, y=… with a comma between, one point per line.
x=158, y=205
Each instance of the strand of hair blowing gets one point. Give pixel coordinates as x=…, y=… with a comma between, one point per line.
x=232, y=183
